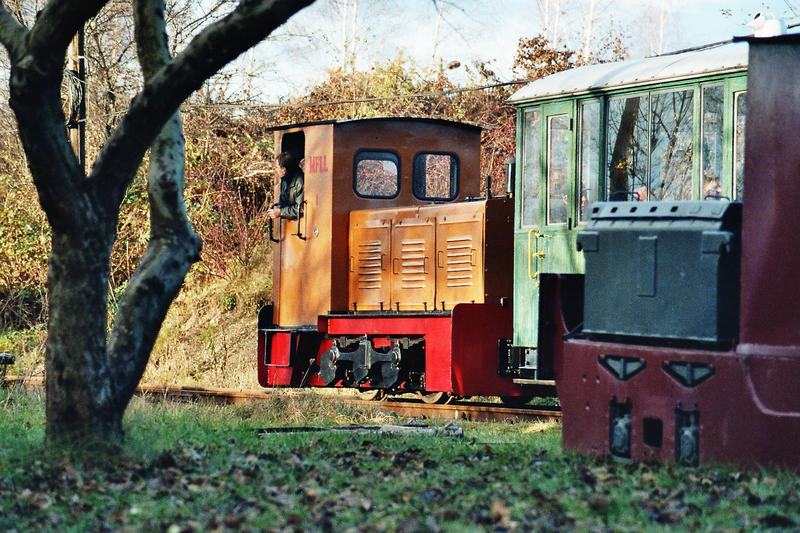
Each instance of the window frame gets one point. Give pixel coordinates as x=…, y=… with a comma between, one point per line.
x=534, y=159
x=732, y=84
x=585, y=152
x=455, y=176
x=735, y=87
x=391, y=155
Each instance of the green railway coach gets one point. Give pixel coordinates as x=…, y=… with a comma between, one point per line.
x=669, y=127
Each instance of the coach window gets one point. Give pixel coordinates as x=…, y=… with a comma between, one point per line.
x=531, y=165
x=435, y=176
x=740, y=108
x=650, y=146
x=713, y=142
x=671, y=149
x=376, y=174
x=590, y=156
x=628, y=144
x=557, y=168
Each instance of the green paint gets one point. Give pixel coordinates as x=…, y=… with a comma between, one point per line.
x=550, y=159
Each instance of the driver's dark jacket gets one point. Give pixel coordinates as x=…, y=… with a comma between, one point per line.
x=290, y=201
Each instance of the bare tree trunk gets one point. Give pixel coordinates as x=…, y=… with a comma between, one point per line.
x=90, y=381
x=587, y=32
x=77, y=385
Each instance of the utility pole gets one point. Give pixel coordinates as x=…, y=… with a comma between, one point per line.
x=76, y=86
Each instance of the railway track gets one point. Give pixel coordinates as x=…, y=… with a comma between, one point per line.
x=461, y=410
x=475, y=411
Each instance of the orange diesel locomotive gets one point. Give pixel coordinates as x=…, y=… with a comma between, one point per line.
x=396, y=277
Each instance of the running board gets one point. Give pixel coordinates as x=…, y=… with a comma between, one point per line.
x=545, y=382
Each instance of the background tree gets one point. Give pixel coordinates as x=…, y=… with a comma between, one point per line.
x=91, y=377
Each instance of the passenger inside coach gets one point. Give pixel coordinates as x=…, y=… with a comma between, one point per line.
x=712, y=189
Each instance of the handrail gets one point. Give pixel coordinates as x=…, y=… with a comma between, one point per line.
x=270, y=225
x=532, y=233
x=302, y=214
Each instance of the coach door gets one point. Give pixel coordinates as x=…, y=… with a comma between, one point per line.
x=560, y=208
x=527, y=229
x=546, y=211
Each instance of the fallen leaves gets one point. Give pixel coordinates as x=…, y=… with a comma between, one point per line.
x=36, y=500
x=380, y=483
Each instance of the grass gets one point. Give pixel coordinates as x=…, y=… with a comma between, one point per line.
x=209, y=335
x=197, y=467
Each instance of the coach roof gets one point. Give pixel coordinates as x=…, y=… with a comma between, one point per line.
x=635, y=72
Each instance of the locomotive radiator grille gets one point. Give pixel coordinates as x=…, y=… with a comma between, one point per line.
x=459, y=261
x=369, y=265
x=412, y=264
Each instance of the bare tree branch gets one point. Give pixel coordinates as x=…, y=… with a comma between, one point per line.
x=12, y=34
x=173, y=245
x=209, y=51
x=55, y=27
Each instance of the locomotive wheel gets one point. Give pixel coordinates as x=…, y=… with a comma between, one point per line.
x=372, y=395
x=435, y=397
x=515, y=401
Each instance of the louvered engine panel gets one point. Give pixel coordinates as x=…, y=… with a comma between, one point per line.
x=459, y=256
x=369, y=261
x=413, y=277
x=430, y=258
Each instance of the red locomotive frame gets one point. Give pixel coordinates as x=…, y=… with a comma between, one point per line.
x=460, y=352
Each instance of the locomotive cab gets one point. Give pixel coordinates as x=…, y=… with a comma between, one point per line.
x=396, y=274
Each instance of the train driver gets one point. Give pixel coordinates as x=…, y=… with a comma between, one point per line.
x=290, y=202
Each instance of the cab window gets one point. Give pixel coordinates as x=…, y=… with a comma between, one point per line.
x=435, y=176
x=376, y=174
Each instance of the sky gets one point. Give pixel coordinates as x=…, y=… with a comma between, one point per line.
x=433, y=31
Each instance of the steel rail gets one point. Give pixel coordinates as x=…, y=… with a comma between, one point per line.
x=411, y=408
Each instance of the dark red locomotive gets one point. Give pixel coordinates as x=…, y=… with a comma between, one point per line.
x=668, y=382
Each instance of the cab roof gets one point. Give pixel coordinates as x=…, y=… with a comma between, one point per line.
x=438, y=121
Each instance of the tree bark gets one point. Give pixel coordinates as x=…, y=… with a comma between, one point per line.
x=78, y=386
